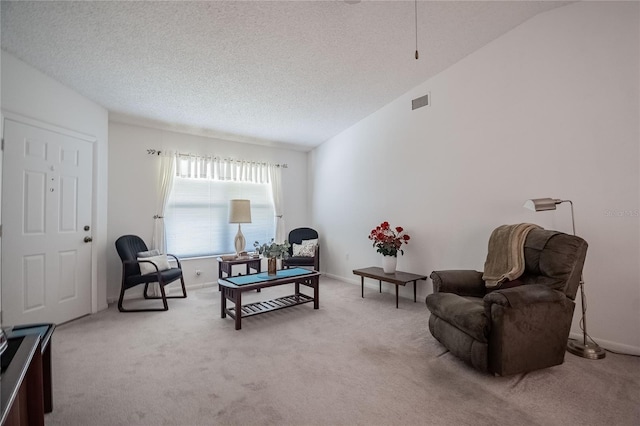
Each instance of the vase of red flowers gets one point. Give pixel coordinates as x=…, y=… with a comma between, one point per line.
x=388, y=242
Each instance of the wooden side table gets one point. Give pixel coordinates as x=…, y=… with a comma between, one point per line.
x=398, y=278
x=226, y=265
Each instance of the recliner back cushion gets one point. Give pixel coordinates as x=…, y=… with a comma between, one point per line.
x=554, y=259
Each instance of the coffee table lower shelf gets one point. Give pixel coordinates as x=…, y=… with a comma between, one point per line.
x=233, y=287
x=262, y=307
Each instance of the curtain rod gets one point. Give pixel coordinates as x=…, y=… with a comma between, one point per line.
x=180, y=154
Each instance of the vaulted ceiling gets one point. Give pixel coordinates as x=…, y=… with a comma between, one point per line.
x=291, y=73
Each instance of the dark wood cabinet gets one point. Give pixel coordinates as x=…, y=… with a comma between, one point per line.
x=22, y=390
x=26, y=392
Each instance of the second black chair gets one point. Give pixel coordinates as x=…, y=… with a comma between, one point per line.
x=296, y=236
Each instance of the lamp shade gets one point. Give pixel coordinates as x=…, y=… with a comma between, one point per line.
x=541, y=204
x=240, y=211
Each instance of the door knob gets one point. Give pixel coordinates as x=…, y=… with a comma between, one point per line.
x=88, y=239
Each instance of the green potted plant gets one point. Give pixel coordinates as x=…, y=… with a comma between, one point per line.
x=272, y=251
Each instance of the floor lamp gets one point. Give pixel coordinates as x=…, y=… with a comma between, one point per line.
x=585, y=349
x=239, y=212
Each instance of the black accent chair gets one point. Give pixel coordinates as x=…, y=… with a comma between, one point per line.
x=128, y=247
x=517, y=329
x=296, y=236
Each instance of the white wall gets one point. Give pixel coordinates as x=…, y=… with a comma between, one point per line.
x=132, y=188
x=29, y=93
x=550, y=109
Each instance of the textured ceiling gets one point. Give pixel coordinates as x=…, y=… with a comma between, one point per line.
x=292, y=72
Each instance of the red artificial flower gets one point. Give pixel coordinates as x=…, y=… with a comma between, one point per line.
x=388, y=241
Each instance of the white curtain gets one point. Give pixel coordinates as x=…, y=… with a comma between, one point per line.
x=163, y=189
x=214, y=168
x=165, y=183
x=275, y=177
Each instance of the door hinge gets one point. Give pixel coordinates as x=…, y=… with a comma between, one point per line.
x=0, y=234
x=2, y=148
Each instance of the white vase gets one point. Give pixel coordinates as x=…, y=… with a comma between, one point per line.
x=389, y=264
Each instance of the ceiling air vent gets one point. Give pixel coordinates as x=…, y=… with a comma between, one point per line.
x=421, y=101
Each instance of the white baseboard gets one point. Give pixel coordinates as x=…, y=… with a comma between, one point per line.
x=607, y=344
x=170, y=289
x=343, y=279
x=389, y=288
x=371, y=284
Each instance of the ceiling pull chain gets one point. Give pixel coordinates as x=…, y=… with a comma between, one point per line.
x=416, y=15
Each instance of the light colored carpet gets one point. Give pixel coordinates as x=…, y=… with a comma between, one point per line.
x=352, y=362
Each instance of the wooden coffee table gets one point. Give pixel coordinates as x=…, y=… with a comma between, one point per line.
x=398, y=278
x=233, y=287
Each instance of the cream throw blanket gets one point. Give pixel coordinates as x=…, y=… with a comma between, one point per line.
x=505, y=259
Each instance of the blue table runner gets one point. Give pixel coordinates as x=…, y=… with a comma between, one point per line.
x=264, y=276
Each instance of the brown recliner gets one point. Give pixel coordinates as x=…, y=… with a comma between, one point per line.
x=511, y=330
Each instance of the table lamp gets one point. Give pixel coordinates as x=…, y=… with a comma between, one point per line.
x=239, y=212
x=585, y=349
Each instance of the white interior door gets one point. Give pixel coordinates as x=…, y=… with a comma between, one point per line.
x=46, y=213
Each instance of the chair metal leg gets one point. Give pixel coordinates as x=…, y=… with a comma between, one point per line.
x=183, y=296
x=184, y=289
x=122, y=309
x=121, y=298
x=145, y=294
x=164, y=297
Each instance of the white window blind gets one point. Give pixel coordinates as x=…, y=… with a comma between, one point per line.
x=197, y=216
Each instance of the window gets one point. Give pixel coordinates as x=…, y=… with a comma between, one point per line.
x=197, y=216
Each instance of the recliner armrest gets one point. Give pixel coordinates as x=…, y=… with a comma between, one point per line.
x=524, y=295
x=529, y=327
x=461, y=282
